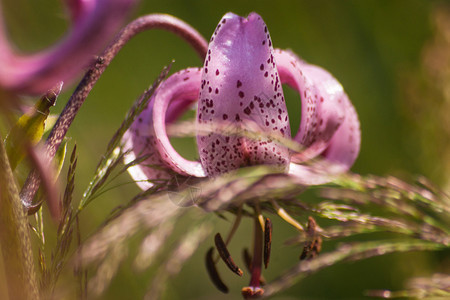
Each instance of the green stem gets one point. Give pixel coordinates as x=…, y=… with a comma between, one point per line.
x=14, y=236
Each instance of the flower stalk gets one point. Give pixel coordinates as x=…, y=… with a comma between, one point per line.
x=56, y=136
x=14, y=238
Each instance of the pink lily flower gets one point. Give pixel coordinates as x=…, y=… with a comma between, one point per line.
x=94, y=23
x=240, y=84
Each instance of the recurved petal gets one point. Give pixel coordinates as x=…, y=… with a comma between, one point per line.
x=322, y=98
x=95, y=23
x=175, y=94
x=170, y=100
x=345, y=143
x=79, y=8
x=338, y=157
x=329, y=127
x=241, y=89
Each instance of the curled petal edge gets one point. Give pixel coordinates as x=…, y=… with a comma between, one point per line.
x=147, y=135
x=178, y=88
x=324, y=102
x=322, y=99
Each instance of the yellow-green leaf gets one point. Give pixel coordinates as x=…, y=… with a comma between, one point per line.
x=29, y=129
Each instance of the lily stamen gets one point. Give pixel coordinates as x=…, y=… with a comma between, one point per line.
x=225, y=255
x=212, y=272
x=313, y=244
x=285, y=216
x=267, y=241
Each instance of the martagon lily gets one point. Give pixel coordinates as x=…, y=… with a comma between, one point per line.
x=240, y=85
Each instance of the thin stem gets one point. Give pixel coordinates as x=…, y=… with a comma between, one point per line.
x=14, y=236
x=260, y=216
x=233, y=230
x=154, y=21
x=285, y=216
x=236, y=223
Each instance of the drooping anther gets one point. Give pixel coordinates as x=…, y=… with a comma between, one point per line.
x=313, y=244
x=267, y=241
x=225, y=255
x=212, y=272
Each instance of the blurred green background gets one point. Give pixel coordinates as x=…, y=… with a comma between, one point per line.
x=376, y=49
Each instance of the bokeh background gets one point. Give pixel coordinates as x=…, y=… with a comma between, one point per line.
x=391, y=56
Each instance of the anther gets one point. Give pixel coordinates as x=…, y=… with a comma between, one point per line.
x=313, y=245
x=267, y=241
x=212, y=272
x=225, y=255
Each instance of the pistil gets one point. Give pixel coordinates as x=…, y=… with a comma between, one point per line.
x=254, y=290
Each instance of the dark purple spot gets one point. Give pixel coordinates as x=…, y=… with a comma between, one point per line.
x=241, y=94
x=239, y=83
x=217, y=72
x=261, y=67
x=247, y=110
x=225, y=116
x=237, y=118
x=217, y=91
x=266, y=74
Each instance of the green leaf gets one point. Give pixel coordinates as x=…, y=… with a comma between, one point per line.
x=30, y=127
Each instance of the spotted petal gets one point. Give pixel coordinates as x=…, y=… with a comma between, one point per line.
x=240, y=87
x=147, y=135
x=180, y=88
x=329, y=126
x=338, y=157
x=95, y=21
x=322, y=96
